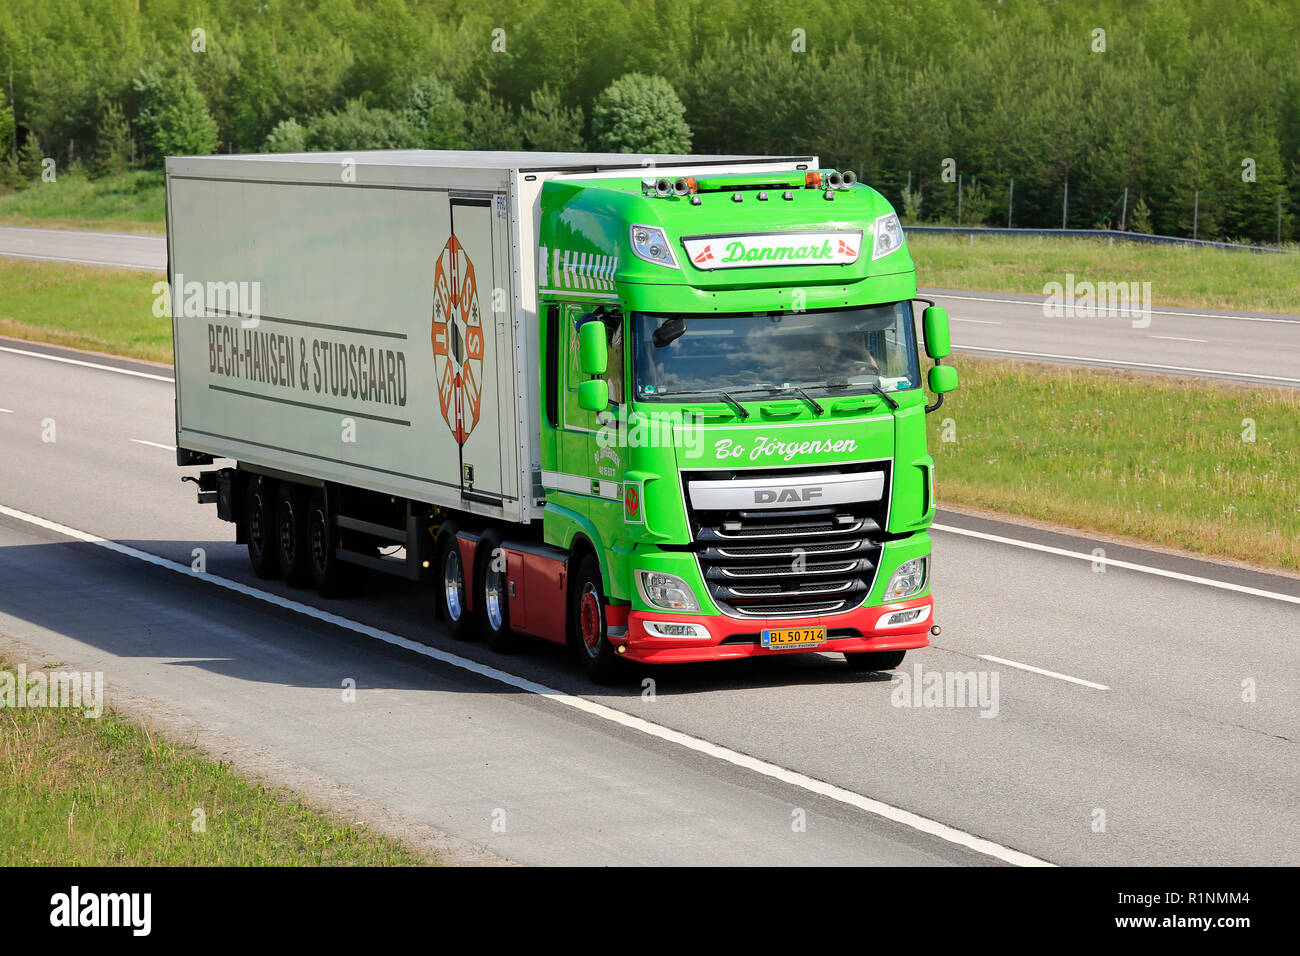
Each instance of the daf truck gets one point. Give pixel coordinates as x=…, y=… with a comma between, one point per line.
x=660, y=409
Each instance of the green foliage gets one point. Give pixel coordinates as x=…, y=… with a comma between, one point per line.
x=1139, y=220
x=491, y=124
x=435, y=116
x=547, y=124
x=1183, y=92
x=289, y=136
x=30, y=159
x=173, y=118
x=6, y=129
x=911, y=205
x=639, y=114
x=113, y=150
x=361, y=127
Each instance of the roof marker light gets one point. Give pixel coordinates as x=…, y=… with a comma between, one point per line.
x=787, y=195
x=762, y=196
x=812, y=179
x=737, y=197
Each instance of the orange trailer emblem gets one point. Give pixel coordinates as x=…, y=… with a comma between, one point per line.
x=457, y=340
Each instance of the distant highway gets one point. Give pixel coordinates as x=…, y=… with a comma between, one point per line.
x=1244, y=346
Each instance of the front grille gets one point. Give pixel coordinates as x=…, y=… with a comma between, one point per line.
x=788, y=562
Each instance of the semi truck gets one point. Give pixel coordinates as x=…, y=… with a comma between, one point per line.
x=659, y=409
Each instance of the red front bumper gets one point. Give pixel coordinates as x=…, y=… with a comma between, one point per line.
x=731, y=637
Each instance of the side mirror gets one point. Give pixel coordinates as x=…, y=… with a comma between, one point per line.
x=593, y=394
x=934, y=323
x=943, y=378
x=593, y=351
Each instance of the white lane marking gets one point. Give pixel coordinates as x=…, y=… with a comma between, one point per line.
x=1039, y=670
x=1178, y=338
x=90, y=233
x=72, y=361
x=1115, y=563
x=744, y=761
x=1124, y=364
x=974, y=321
x=153, y=444
x=1190, y=315
x=85, y=262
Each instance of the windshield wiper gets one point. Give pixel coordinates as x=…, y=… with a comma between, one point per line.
x=740, y=409
x=764, y=387
x=874, y=387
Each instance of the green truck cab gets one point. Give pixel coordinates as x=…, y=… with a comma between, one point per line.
x=733, y=435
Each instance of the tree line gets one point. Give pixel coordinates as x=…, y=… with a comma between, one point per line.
x=1170, y=117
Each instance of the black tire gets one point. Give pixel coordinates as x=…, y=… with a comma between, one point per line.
x=588, y=631
x=491, y=597
x=874, y=660
x=291, y=536
x=330, y=576
x=453, y=605
x=259, y=527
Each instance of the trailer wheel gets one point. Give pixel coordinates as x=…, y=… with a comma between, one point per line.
x=874, y=660
x=587, y=627
x=291, y=536
x=330, y=576
x=259, y=520
x=491, y=598
x=452, y=596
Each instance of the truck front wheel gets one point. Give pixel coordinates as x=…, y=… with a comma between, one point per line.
x=259, y=520
x=587, y=628
x=874, y=660
x=292, y=537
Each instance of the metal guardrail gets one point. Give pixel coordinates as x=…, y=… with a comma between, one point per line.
x=1091, y=234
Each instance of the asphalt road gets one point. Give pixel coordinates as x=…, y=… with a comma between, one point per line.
x=1253, y=347
x=1129, y=742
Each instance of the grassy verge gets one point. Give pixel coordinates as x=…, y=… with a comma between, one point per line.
x=106, y=792
x=1179, y=276
x=130, y=202
x=105, y=310
x=1159, y=459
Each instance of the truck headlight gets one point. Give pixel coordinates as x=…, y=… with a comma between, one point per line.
x=908, y=579
x=888, y=236
x=650, y=243
x=666, y=591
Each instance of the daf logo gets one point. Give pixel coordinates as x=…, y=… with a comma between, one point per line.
x=768, y=496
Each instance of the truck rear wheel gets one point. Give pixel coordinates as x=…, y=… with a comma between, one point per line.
x=587, y=628
x=452, y=597
x=330, y=576
x=259, y=520
x=874, y=660
x=491, y=597
x=291, y=536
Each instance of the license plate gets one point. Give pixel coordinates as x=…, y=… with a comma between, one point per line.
x=794, y=637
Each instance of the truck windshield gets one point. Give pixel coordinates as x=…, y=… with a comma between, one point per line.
x=840, y=351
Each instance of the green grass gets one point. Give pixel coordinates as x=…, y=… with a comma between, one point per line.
x=105, y=310
x=1159, y=459
x=130, y=202
x=1179, y=275
x=108, y=792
